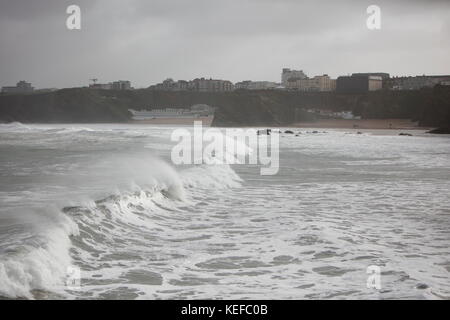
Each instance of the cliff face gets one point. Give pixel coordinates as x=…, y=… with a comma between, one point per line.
x=67, y=105
x=431, y=107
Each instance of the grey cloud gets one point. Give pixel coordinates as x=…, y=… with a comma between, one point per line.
x=146, y=41
x=37, y=9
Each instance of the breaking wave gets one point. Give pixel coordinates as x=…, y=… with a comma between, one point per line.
x=38, y=261
x=75, y=235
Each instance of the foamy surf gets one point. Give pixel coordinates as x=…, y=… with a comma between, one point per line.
x=41, y=258
x=71, y=236
x=108, y=201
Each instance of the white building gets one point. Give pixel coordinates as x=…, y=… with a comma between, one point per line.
x=121, y=85
x=116, y=85
x=210, y=85
x=256, y=85
x=21, y=87
x=199, y=84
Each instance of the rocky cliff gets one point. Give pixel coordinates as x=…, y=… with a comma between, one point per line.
x=431, y=107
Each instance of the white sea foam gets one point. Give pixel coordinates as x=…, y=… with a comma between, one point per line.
x=211, y=176
x=139, y=228
x=40, y=261
x=154, y=188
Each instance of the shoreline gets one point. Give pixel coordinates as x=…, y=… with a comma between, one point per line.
x=363, y=124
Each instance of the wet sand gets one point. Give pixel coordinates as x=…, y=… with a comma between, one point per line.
x=400, y=124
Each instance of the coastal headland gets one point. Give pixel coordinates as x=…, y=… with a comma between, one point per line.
x=428, y=107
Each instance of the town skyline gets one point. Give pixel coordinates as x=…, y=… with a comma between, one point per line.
x=85, y=82
x=291, y=80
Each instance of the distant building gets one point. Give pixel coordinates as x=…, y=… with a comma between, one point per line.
x=242, y=85
x=318, y=84
x=21, y=87
x=103, y=86
x=116, y=85
x=210, y=85
x=199, y=84
x=166, y=85
x=358, y=83
x=288, y=74
x=375, y=83
x=256, y=85
x=181, y=85
x=121, y=85
x=384, y=76
x=417, y=82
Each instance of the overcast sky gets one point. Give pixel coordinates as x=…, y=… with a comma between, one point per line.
x=146, y=41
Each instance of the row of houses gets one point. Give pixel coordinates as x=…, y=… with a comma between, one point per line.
x=292, y=80
x=116, y=85
x=417, y=82
x=359, y=82
x=26, y=87
x=363, y=82
x=198, y=84
x=297, y=80
x=317, y=83
x=256, y=85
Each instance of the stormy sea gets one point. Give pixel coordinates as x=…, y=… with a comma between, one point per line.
x=99, y=211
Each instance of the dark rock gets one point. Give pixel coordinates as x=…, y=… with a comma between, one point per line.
x=405, y=134
x=422, y=286
x=289, y=132
x=264, y=132
x=440, y=131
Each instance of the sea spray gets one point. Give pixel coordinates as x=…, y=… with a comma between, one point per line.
x=41, y=261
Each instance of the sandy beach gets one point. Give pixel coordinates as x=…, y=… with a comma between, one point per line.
x=405, y=124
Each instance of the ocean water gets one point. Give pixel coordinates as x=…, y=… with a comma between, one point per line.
x=106, y=200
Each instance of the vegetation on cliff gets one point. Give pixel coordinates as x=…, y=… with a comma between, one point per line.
x=67, y=105
x=431, y=107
